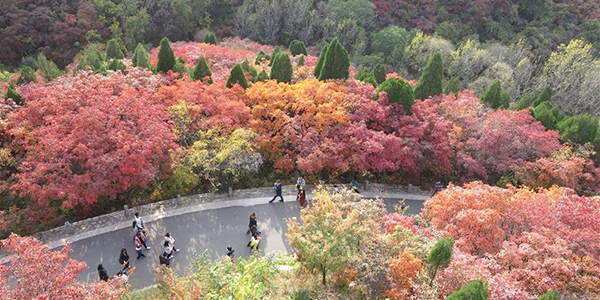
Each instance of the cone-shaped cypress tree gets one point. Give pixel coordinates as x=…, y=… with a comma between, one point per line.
x=276, y=51
x=166, y=57
x=366, y=77
x=452, y=86
x=431, y=82
x=113, y=50
x=210, y=38
x=301, y=61
x=237, y=76
x=27, y=74
x=297, y=48
x=12, y=94
x=476, y=290
x=504, y=100
x=336, y=62
x=398, y=91
x=282, y=68
x=140, y=57
x=380, y=73
x=93, y=58
x=116, y=65
x=262, y=76
x=493, y=96
x=201, y=71
x=320, y=61
x=260, y=57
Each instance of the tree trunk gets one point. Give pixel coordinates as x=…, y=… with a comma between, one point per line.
x=433, y=277
x=324, y=273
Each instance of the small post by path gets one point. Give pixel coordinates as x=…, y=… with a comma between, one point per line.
x=126, y=208
x=178, y=201
x=230, y=192
x=68, y=227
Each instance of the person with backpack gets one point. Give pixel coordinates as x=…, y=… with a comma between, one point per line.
x=278, y=192
x=253, y=226
x=254, y=242
x=124, y=259
x=168, y=250
x=138, y=246
x=102, y=273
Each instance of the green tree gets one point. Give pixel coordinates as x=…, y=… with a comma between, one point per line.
x=282, y=68
x=140, y=57
x=579, y=129
x=320, y=61
x=276, y=51
x=48, y=68
x=12, y=94
x=113, y=50
x=380, y=73
x=93, y=59
x=366, y=77
x=210, y=38
x=543, y=113
x=390, y=38
x=440, y=255
x=431, y=82
x=237, y=76
x=476, y=290
x=260, y=57
x=116, y=65
x=262, y=76
x=448, y=31
x=398, y=91
x=549, y=295
x=26, y=75
x=250, y=69
x=452, y=86
x=166, y=57
x=545, y=96
x=301, y=61
x=180, y=66
x=201, y=71
x=492, y=97
x=297, y=48
x=336, y=63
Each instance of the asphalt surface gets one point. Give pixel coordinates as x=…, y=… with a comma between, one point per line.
x=210, y=230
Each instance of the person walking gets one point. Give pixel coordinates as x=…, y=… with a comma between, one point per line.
x=302, y=196
x=164, y=260
x=138, y=247
x=124, y=259
x=143, y=238
x=253, y=226
x=102, y=273
x=254, y=241
x=301, y=182
x=278, y=192
x=169, y=238
x=355, y=185
x=139, y=223
x=230, y=254
x=168, y=249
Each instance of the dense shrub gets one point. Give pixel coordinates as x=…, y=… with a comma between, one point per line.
x=476, y=290
x=380, y=73
x=366, y=77
x=116, y=65
x=543, y=113
x=113, y=50
x=12, y=94
x=48, y=68
x=210, y=38
x=26, y=75
x=579, y=129
x=398, y=91
x=140, y=57
x=297, y=48
x=452, y=86
x=493, y=96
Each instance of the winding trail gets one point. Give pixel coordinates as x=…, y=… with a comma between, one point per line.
x=196, y=229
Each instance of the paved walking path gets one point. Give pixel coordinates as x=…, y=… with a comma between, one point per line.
x=210, y=226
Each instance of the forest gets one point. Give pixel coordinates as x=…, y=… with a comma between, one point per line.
x=111, y=103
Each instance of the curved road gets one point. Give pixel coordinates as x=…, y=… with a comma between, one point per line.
x=212, y=230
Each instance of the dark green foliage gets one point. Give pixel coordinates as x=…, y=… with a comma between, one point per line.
x=237, y=76
x=262, y=76
x=452, y=86
x=93, y=58
x=320, y=61
x=260, y=57
x=276, y=51
x=27, y=74
x=504, y=100
x=12, y=94
x=476, y=290
x=545, y=96
x=250, y=69
x=201, y=71
x=398, y=91
x=525, y=102
x=116, y=65
x=558, y=113
x=336, y=63
x=113, y=50
x=166, y=57
x=140, y=57
x=301, y=295
x=366, y=77
x=210, y=38
x=549, y=295
x=493, y=96
x=579, y=129
x=48, y=68
x=543, y=113
x=380, y=73
x=301, y=61
x=431, y=82
x=282, y=68
x=440, y=255
x=297, y=48
x=180, y=66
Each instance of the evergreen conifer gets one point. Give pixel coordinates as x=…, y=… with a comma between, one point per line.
x=113, y=50
x=336, y=62
x=276, y=51
x=262, y=76
x=27, y=74
x=237, y=76
x=166, y=57
x=210, y=38
x=301, y=61
x=452, y=86
x=493, y=96
x=380, y=73
x=475, y=290
x=201, y=71
x=282, y=68
x=12, y=94
x=320, y=61
x=398, y=91
x=431, y=82
x=297, y=48
x=440, y=255
x=140, y=57
x=116, y=65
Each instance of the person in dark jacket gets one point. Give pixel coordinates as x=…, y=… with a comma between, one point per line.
x=253, y=226
x=164, y=260
x=124, y=259
x=278, y=192
x=102, y=273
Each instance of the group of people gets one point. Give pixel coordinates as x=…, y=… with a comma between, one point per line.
x=300, y=196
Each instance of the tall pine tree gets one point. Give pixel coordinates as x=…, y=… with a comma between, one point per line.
x=431, y=82
x=282, y=68
x=336, y=62
x=166, y=57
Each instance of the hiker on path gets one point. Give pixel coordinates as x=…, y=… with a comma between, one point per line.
x=278, y=192
x=302, y=196
x=142, y=237
x=102, y=273
x=164, y=260
x=138, y=222
x=254, y=241
x=169, y=239
x=301, y=182
x=124, y=259
x=230, y=254
x=355, y=186
x=138, y=247
x=253, y=226
x=168, y=249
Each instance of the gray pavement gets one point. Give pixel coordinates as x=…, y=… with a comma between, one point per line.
x=194, y=232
